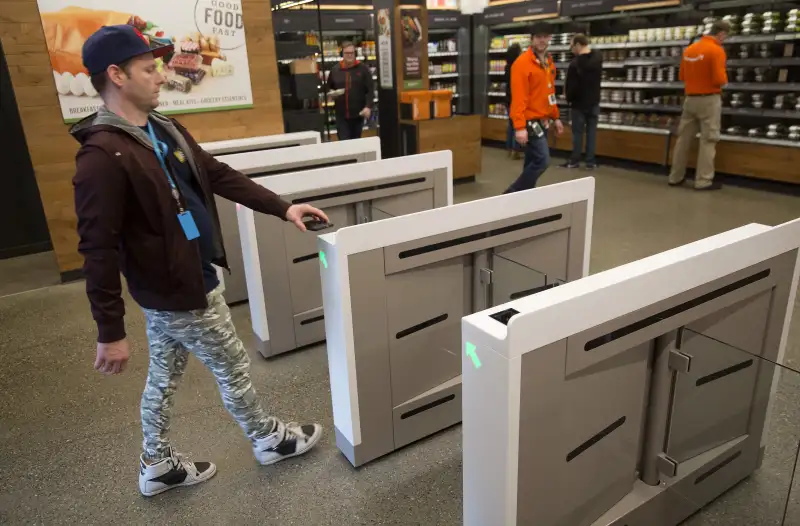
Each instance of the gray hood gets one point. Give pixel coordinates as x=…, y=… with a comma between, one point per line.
x=106, y=120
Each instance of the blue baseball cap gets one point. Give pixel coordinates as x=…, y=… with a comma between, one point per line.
x=112, y=45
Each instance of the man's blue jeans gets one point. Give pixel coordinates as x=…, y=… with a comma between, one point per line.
x=537, y=158
x=584, y=122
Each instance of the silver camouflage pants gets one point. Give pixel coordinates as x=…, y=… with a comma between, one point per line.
x=209, y=335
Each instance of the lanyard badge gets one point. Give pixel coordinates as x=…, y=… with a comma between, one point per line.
x=184, y=216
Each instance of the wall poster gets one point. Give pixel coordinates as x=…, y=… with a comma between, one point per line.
x=208, y=71
x=413, y=48
x=385, y=48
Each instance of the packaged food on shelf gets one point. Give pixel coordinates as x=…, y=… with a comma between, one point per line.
x=776, y=131
x=794, y=133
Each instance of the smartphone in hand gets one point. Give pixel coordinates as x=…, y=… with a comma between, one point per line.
x=315, y=224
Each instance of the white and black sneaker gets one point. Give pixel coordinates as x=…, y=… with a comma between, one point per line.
x=172, y=472
x=287, y=440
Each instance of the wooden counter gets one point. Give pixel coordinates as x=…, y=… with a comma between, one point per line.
x=618, y=144
x=493, y=129
x=460, y=134
x=760, y=161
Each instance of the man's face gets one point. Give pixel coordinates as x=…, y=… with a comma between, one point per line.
x=540, y=43
x=721, y=37
x=142, y=83
x=349, y=55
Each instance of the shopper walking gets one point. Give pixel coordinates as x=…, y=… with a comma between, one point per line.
x=512, y=147
x=144, y=197
x=703, y=73
x=354, y=105
x=583, y=95
x=533, y=106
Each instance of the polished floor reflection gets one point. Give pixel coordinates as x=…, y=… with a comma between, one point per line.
x=69, y=438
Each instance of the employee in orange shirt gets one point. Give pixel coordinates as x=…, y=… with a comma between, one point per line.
x=533, y=106
x=703, y=74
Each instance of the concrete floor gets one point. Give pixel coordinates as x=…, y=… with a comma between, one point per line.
x=26, y=273
x=70, y=438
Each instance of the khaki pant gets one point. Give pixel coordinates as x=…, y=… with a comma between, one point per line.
x=699, y=114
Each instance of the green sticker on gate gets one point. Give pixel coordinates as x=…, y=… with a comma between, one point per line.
x=470, y=350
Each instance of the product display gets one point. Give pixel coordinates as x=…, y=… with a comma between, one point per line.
x=450, y=45
x=776, y=131
x=439, y=69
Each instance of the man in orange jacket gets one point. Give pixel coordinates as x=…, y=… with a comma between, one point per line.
x=703, y=73
x=533, y=106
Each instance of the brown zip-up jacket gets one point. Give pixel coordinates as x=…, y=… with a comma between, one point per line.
x=127, y=218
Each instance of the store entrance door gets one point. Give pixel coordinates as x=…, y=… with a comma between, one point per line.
x=25, y=260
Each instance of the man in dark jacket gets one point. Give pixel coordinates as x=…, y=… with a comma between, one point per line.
x=354, y=105
x=583, y=94
x=144, y=197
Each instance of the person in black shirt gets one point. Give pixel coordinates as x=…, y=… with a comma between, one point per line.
x=354, y=105
x=583, y=95
x=512, y=147
x=189, y=189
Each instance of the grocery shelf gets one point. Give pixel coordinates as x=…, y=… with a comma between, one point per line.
x=759, y=140
x=638, y=129
x=763, y=86
x=653, y=43
x=755, y=112
x=747, y=39
x=497, y=73
x=496, y=94
x=503, y=50
x=503, y=117
x=781, y=114
x=744, y=112
x=637, y=106
x=443, y=75
x=653, y=61
x=444, y=54
x=645, y=85
x=756, y=62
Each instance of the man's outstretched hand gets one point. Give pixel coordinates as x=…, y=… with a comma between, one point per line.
x=112, y=357
x=296, y=213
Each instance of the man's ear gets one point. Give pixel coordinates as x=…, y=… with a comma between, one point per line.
x=117, y=75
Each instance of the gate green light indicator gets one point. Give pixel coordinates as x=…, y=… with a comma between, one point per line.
x=470, y=350
x=322, y=258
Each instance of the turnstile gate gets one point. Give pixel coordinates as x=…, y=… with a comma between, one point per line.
x=275, y=161
x=633, y=397
x=395, y=291
x=282, y=264
x=235, y=284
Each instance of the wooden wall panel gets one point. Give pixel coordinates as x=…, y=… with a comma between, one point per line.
x=53, y=150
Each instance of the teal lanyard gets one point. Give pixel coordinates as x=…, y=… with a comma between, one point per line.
x=161, y=149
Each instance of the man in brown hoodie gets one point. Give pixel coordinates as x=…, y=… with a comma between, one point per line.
x=144, y=200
